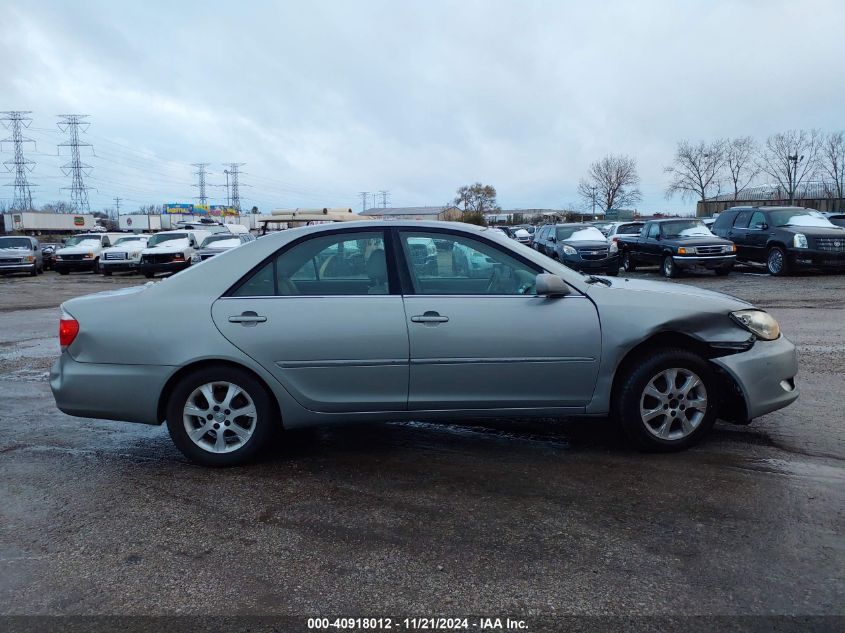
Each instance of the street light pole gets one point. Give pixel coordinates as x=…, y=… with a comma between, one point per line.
x=794, y=159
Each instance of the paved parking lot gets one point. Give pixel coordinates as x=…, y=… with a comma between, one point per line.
x=502, y=517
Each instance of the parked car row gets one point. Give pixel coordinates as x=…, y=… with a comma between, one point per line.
x=782, y=238
x=108, y=253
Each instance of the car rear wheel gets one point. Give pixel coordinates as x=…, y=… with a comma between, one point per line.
x=669, y=268
x=776, y=262
x=628, y=263
x=106, y=272
x=220, y=416
x=666, y=402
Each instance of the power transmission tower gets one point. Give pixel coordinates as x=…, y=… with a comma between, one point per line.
x=365, y=195
x=15, y=121
x=117, y=206
x=75, y=168
x=201, y=173
x=384, y=196
x=233, y=185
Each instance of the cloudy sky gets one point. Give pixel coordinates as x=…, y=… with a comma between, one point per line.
x=322, y=100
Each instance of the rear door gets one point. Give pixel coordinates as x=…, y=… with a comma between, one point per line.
x=326, y=319
x=739, y=234
x=757, y=236
x=486, y=341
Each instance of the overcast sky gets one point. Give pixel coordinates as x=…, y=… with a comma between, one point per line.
x=322, y=100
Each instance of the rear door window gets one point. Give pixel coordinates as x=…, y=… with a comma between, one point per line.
x=743, y=218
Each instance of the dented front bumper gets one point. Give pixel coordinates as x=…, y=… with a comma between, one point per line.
x=765, y=375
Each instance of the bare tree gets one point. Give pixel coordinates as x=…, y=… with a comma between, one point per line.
x=695, y=170
x=611, y=182
x=740, y=162
x=833, y=164
x=791, y=158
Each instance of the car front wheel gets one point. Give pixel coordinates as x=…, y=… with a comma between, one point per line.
x=666, y=402
x=220, y=416
x=669, y=268
x=628, y=264
x=776, y=262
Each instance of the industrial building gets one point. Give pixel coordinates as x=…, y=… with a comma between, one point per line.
x=812, y=195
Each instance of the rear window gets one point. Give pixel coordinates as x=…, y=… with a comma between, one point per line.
x=629, y=229
x=743, y=218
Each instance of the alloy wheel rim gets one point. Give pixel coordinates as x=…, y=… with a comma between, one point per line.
x=219, y=417
x=673, y=404
x=776, y=261
x=667, y=267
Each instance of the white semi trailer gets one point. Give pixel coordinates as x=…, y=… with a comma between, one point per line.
x=38, y=223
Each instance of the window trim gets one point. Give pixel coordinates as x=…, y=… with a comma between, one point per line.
x=392, y=282
x=405, y=274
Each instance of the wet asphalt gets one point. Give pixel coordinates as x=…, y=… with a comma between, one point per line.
x=502, y=517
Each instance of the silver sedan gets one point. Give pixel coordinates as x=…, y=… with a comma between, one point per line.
x=341, y=323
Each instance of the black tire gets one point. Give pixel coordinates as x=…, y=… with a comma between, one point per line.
x=723, y=272
x=148, y=275
x=629, y=396
x=34, y=271
x=266, y=421
x=41, y=270
x=668, y=267
x=63, y=272
x=628, y=263
x=612, y=271
x=96, y=268
x=777, y=263
x=106, y=272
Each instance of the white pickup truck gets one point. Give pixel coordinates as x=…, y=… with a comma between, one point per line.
x=82, y=252
x=171, y=251
x=124, y=256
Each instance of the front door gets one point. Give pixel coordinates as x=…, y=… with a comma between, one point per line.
x=323, y=319
x=480, y=338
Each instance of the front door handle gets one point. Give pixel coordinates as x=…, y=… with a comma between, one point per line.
x=429, y=317
x=248, y=318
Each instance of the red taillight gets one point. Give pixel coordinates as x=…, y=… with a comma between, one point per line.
x=68, y=329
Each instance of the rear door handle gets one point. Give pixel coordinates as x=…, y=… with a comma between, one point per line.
x=248, y=318
x=429, y=317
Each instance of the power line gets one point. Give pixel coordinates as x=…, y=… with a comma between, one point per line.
x=201, y=173
x=75, y=168
x=365, y=196
x=384, y=196
x=117, y=206
x=15, y=120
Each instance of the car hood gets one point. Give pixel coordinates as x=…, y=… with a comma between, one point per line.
x=815, y=231
x=124, y=249
x=173, y=246
x=698, y=240
x=664, y=291
x=14, y=252
x=77, y=250
x=585, y=243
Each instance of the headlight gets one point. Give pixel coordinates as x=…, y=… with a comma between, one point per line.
x=731, y=248
x=29, y=258
x=685, y=251
x=759, y=323
x=614, y=247
x=800, y=241
x=89, y=255
x=569, y=250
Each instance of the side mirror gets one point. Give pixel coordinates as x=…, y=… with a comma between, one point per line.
x=550, y=285
x=552, y=238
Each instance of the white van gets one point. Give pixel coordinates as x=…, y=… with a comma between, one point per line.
x=82, y=252
x=125, y=255
x=171, y=251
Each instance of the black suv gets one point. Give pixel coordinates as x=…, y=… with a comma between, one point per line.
x=784, y=238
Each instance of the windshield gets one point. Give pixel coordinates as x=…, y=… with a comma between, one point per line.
x=159, y=238
x=220, y=241
x=685, y=228
x=629, y=229
x=799, y=217
x=131, y=238
x=14, y=242
x=579, y=233
x=83, y=240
